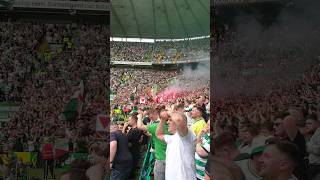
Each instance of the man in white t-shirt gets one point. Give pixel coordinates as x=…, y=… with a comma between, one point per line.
x=180, y=161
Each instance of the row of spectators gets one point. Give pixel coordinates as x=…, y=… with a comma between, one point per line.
x=164, y=51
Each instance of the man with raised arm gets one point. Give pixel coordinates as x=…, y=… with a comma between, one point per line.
x=180, y=161
x=159, y=146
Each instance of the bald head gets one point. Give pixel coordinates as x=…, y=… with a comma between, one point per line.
x=177, y=121
x=178, y=117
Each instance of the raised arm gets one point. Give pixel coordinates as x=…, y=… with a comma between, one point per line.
x=200, y=150
x=159, y=131
x=125, y=126
x=180, y=120
x=140, y=124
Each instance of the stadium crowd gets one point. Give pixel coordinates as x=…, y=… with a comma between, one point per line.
x=162, y=51
x=265, y=121
x=139, y=113
x=42, y=66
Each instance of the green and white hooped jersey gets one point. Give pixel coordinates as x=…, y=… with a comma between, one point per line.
x=201, y=162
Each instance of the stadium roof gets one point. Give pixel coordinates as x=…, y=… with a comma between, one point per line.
x=4, y=3
x=160, y=19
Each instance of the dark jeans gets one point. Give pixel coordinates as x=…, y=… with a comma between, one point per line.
x=135, y=160
x=313, y=171
x=301, y=170
x=120, y=174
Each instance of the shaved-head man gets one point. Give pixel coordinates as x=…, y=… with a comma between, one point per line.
x=180, y=161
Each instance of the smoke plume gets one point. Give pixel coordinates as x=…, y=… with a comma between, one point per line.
x=190, y=79
x=260, y=57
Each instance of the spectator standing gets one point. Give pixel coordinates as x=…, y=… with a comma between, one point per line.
x=120, y=156
x=180, y=161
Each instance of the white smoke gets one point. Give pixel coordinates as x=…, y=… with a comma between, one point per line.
x=191, y=79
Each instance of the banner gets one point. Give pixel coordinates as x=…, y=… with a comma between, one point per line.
x=61, y=147
x=27, y=157
x=102, y=122
x=70, y=111
x=73, y=109
x=51, y=4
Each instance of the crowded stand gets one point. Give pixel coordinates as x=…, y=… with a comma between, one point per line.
x=160, y=51
x=147, y=106
x=265, y=110
x=287, y=114
x=55, y=74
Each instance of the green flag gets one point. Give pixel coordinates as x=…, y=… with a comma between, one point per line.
x=34, y=158
x=74, y=107
x=70, y=111
x=148, y=164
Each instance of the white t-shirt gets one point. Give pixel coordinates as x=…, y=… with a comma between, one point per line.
x=180, y=161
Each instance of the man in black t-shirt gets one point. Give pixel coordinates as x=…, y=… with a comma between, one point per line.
x=135, y=138
x=120, y=156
